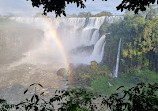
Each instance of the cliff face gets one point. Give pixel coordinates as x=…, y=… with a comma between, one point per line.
x=15, y=39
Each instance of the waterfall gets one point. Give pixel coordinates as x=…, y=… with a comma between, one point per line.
x=118, y=59
x=74, y=33
x=98, y=50
x=65, y=40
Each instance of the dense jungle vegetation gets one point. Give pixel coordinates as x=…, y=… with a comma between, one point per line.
x=139, y=54
x=139, y=43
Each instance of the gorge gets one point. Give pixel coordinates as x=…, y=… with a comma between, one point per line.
x=64, y=41
x=69, y=35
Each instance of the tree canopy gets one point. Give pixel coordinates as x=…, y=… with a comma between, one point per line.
x=142, y=97
x=58, y=6
x=135, y=5
x=139, y=48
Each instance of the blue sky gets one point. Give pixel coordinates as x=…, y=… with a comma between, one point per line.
x=24, y=8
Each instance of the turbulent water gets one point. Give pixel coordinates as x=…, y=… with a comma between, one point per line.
x=74, y=33
x=65, y=41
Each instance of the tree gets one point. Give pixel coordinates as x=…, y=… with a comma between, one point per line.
x=151, y=12
x=103, y=13
x=85, y=14
x=142, y=97
x=135, y=5
x=58, y=6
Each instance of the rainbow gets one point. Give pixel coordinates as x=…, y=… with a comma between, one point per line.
x=56, y=37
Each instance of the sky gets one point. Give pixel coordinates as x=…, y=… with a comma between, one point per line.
x=24, y=7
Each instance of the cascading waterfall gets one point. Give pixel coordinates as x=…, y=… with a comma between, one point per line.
x=80, y=40
x=74, y=33
x=118, y=59
x=98, y=49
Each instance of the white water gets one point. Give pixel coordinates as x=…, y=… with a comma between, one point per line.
x=74, y=33
x=118, y=59
x=98, y=51
x=81, y=40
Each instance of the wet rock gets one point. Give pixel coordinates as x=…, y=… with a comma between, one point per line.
x=62, y=72
x=94, y=65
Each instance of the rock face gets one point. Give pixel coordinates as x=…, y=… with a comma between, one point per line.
x=94, y=65
x=62, y=72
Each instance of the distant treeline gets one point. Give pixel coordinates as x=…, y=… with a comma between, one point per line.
x=89, y=14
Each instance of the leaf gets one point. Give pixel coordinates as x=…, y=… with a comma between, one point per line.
x=37, y=98
x=120, y=87
x=40, y=85
x=2, y=101
x=32, y=84
x=32, y=98
x=35, y=108
x=42, y=93
x=25, y=91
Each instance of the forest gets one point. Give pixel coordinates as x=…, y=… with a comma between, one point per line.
x=140, y=43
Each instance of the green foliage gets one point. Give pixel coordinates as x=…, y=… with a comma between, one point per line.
x=103, y=13
x=104, y=27
x=75, y=100
x=102, y=84
x=88, y=14
x=151, y=12
x=135, y=5
x=65, y=100
x=139, y=48
x=58, y=6
x=84, y=75
x=141, y=97
x=36, y=102
x=84, y=14
x=4, y=106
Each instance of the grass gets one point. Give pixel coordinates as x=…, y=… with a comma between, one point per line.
x=101, y=84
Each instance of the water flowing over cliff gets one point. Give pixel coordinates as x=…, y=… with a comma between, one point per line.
x=118, y=60
x=74, y=34
x=62, y=41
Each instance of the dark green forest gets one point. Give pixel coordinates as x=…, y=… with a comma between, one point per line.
x=139, y=43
